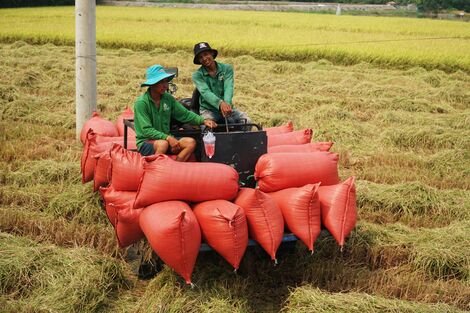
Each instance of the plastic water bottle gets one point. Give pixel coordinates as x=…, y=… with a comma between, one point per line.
x=209, y=144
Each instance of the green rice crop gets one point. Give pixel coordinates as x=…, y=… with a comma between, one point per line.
x=392, y=42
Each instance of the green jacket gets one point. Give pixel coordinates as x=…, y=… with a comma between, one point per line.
x=214, y=89
x=153, y=124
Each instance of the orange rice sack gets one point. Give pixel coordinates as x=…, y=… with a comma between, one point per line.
x=94, y=144
x=165, y=179
x=127, y=226
x=338, y=208
x=307, y=147
x=111, y=196
x=224, y=228
x=99, y=126
x=102, y=173
x=301, y=210
x=131, y=144
x=276, y=130
x=126, y=169
x=192, y=157
x=264, y=217
x=297, y=137
x=126, y=114
x=91, y=148
x=276, y=171
x=173, y=232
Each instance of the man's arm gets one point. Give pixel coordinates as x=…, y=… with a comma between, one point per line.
x=143, y=123
x=183, y=115
x=204, y=90
x=228, y=84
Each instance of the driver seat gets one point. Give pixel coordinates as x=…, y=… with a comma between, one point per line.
x=192, y=103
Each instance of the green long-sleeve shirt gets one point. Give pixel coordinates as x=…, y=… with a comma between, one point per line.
x=153, y=124
x=214, y=89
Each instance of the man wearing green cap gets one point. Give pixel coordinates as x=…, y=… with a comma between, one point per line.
x=214, y=81
x=153, y=112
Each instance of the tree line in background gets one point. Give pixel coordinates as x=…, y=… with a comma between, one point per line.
x=423, y=5
x=438, y=5
x=36, y=3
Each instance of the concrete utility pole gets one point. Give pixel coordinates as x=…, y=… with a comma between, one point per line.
x=85, y=64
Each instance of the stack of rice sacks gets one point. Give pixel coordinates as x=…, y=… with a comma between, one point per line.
x=177, y=205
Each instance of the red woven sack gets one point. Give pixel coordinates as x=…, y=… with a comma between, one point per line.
x=297, y=137
x=174, y=234
x=264, y=218
x=224, y=228
x=301, y=210
x=126, y=114
x=126, y=169
x=111, y=196
x=127, y=226
x=192, y=157
x=165, y=179
x=91, y=148
x=94, y=144
x=131, y=144
x=102, y=173
x=307, y=147
x=279, y=129
x=276, y=171
x=338, y=208
x=100, y=126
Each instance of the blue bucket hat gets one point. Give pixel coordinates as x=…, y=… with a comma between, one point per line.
x=156, y=73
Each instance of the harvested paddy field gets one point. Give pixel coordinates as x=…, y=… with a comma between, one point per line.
x=404, y=133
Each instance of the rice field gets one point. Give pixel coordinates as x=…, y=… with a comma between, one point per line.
x=404, y=132
x=388, y=42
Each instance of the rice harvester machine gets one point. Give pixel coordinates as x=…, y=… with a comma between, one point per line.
x=237, y=145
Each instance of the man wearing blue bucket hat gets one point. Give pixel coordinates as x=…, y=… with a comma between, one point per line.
x=153, y=112
x=214, y=81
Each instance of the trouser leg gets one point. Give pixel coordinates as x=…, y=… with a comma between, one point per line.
x=240, y=117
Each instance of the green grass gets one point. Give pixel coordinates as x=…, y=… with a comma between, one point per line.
x=387, y=42
x=402, y=132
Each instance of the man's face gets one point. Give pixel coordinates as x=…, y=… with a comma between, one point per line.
x=161, y=87
x=206, y=58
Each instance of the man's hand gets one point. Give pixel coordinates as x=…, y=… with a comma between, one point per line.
x=225, y=109
x=174, y=144
x=210, y=123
